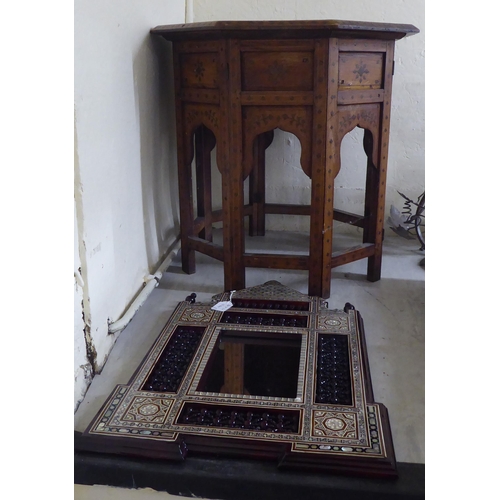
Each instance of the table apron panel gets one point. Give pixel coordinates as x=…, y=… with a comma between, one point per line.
x=277, y=70
x=362, y=70
x=360, y=96
x=200, y=70
x=277, y=98
x=362, y=45
x=203, y=96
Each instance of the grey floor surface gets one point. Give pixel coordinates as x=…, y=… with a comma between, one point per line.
x=392, y=309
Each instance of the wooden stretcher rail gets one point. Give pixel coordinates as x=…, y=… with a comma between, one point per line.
x=349, y=218
x=352, y=254
x=207, y=248
x=285, y=209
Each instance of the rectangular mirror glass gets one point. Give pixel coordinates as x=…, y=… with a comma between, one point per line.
x=253, y=363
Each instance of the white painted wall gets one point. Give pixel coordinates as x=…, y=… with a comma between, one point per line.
x=83, y=369
x=286, y=182
x=125, y=163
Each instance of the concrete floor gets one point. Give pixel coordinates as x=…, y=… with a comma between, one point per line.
x=392, y=310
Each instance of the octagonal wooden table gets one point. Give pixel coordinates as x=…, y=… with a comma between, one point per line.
x=235, y=83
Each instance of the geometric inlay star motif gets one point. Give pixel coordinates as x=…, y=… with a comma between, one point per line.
x=277, y=72
x=335, y=424
x=147, y=409
x=199, y=70
x=361, y=70
x=197, y=314
x=335, y=324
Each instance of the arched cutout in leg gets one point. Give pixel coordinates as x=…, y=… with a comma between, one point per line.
x=278, y=186
x=356, y=154
x=297, y=121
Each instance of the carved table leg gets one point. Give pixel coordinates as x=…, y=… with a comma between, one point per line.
x=186, y=209
x=204, y=143
x=371, y=197
x=230, y=156
x=378, y=178
x=322, y=180
x=257, y=186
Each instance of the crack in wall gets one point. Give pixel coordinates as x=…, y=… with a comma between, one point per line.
x=89, y=345
x=89, y=369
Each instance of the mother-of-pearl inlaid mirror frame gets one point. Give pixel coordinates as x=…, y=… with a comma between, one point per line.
x=331, y=424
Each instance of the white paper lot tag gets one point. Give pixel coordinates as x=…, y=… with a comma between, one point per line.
x=225, y=304
x=222, y=306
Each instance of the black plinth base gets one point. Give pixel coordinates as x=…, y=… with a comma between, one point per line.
x=238, y=479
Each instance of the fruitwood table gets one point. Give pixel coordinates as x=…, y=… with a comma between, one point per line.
x=237, y=81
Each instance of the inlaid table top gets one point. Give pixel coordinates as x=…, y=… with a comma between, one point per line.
x=285, y=29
